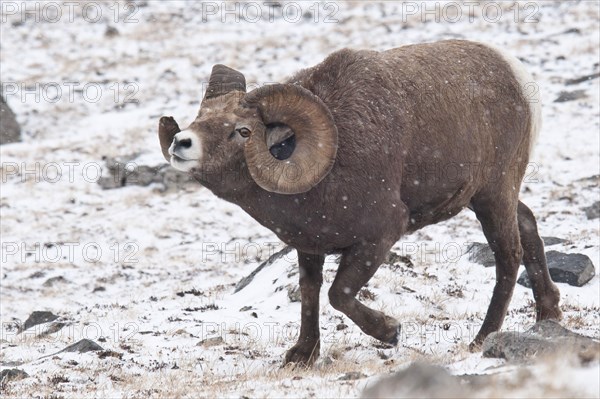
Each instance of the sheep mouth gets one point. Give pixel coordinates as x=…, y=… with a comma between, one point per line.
x=179, y=158
x=183, y=164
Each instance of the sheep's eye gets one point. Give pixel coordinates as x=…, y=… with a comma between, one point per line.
x=243, y=131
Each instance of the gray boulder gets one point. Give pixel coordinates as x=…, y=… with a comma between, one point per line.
x=124, y=171
x=573, y=269
x=10, y=130
x=545, y=338
x=419, y=380
x=38, y=317
x=592, y=211
x=481, y=253
x=12, y=375
x=85, y=345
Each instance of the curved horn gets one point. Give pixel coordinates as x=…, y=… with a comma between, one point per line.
x=167, y=129
x=316, y=139
x=224, y=80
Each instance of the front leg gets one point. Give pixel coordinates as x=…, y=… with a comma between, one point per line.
x=306, y=350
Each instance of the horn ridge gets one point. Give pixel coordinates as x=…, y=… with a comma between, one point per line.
x=316, y=139
x=224, y=80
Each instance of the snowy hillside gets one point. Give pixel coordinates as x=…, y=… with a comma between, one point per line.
x=149, y=274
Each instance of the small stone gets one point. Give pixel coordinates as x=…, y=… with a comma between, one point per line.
x=245, y=308
x=209, y=342
x=111, y=31
x=565, y=96
x=592, y=211
x=85, y=345
x=38, y=317
x=341, y=326
x=352, y=375
x=51, y=282
x=482, y=254
x=549, y=241
x=108, y=353
x=327, y=361
x=573, y=269
x=38, y=274
x=293, y=292
x=12, y=375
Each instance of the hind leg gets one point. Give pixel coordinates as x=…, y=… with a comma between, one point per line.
x=497, y=214
x=545, y=292
x=357, y=266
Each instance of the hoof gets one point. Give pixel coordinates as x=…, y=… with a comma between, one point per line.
x=475, y=346
x=302, y=355
x=396, y=338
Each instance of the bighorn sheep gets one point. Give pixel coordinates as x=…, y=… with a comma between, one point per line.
x=342, y=157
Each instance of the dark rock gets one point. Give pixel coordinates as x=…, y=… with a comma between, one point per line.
x=85, y=345
x=592, y=211
x=38, y=274
x=214, y=341
x=393, y=258
x=293, y=292
x=272, y=259
x=582, y=79
x=549, y=241
x=111, y=31
x=51, y=282
x=11, y=363
x=124, y=171
x=109, y=353
x=352, y=375
x=573, y=269
x=38, y=317
x=418, y=380
x=565, y=96
x=12, y=375
x=10, y=131
x=52, y=328
x=546, y=338
x=481, y=253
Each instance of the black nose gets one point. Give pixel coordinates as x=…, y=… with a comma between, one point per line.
x=185, y=143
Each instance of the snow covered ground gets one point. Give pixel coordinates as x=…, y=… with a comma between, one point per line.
x=149, y=274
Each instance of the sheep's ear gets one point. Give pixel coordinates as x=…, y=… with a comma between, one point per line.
x=224, y=80
x=167, y=129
